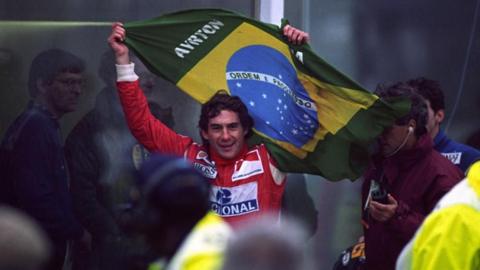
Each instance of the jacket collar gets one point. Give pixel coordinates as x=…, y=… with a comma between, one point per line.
x=32, y=105
x=440, y=139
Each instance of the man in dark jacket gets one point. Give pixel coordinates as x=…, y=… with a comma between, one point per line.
x=404, y=182
x=100, y=150
x=459, y=154
x=33, y=173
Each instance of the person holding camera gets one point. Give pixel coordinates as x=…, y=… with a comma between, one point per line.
x=403, y=183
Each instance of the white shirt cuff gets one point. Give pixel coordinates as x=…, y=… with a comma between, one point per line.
x=126, y=73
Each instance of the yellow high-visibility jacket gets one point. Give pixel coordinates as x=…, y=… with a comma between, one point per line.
x=449, y=238
x=203, y=249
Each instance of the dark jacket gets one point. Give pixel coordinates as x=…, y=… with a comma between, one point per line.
x=459, y=154
x=33, y=173
x=417, y=178
x=101, y=153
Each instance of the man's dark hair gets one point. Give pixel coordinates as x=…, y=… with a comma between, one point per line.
x=175, y=196
x=418, y=110
x=223, y=101
x=174, y=189
x=430, y=90
x=48, y=64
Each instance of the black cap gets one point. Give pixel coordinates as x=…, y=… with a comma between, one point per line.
x=172, y=187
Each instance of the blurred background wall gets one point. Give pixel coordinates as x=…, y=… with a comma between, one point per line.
x=372, y=41
x=28, y=27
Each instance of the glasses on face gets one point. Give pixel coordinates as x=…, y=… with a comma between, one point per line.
x=68, y=82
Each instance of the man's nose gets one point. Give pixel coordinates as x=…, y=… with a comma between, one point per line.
x=77, y=88
x=225, y=134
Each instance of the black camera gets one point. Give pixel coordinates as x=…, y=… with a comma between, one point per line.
x=378, y=192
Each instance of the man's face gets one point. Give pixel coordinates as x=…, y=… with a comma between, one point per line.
x=392, y=139
x=225, y=134
x=431, y=122
x=434, y=119
x=63, y=92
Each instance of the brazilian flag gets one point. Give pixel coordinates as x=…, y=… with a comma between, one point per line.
x=312, y=118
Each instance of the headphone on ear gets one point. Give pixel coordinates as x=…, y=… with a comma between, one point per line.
x=410, y=129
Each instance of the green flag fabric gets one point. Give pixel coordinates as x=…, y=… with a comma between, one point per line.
x=312, y=118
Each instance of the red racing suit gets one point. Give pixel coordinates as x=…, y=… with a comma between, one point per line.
x=243, y=187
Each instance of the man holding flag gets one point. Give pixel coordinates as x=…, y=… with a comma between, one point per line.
x=309, y=117
x=312, y=118
x=245, y=180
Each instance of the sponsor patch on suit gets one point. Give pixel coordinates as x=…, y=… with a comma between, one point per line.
x=454, y=157
x=234, y=201
x=252, y=165
x=204, y=165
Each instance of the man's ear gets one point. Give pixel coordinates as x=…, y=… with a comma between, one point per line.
x=41, y=86
x=412, y=123
x=439, y=116
x=204, y=134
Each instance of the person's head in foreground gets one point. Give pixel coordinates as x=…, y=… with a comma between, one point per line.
x=174, y=197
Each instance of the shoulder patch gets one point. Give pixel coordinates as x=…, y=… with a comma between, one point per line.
x=204, y=165
x=250, y=166
x=454, y=157
x=278, y=175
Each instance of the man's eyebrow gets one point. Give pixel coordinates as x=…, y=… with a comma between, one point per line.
x=229, y=125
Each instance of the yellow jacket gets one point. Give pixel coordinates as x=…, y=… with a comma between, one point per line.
x=202, y=249
x=449, y=238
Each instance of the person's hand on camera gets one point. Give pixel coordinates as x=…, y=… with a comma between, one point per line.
x=383, y=212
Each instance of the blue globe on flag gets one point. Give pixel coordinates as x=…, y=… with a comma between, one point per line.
x=267, y=83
